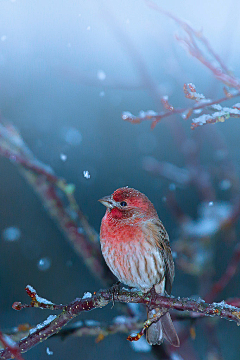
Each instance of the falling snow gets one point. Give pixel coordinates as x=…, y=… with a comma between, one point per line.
x=44, y=264
x=101, y=75
x=225, y=184
x=63, y=157
x=11, y=234
x=48, y=351
x=71, y=135
x=86, y=174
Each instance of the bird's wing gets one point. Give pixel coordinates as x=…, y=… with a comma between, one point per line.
x=161, y=240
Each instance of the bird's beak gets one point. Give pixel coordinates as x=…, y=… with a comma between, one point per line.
x=107, y=201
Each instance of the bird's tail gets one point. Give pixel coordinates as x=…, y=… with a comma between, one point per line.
x=163, y=328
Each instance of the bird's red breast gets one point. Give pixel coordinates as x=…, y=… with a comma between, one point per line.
x=128, y=239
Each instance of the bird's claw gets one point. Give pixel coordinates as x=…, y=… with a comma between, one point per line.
x=114, y=290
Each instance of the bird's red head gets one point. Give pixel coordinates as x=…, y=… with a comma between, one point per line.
x=127, y=203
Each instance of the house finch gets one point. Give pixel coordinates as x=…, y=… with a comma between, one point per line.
x=135, y=246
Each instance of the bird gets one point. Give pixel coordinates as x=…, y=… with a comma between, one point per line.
x=136, y=248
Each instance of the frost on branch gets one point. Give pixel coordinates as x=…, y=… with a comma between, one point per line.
x=196, y=308
x=166, y=104
x=190, y=92
x=87, y=295
x=221, y=115
x=143, y=115
x=43, y=324
x=200, y=104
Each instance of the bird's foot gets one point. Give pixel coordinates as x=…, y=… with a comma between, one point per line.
x=114, y=291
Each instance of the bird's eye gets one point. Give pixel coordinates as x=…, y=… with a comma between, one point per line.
x=123, y=203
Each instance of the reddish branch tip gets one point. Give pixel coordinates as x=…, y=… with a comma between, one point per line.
x=227, y=93
x=139, y=335
x=154, y=123
x=31, y=292
x=134, y=338
x=166, y=104
x=191, y=87
x=17, y=305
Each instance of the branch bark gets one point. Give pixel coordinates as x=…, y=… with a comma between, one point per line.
x=197, y=308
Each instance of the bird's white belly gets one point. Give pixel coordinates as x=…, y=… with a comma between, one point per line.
x=134, y=264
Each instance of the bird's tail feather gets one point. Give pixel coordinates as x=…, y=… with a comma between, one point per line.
x=169, y=331
x=164, y=328
x=154, y=333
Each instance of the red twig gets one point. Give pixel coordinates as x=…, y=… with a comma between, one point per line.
x=37, y=301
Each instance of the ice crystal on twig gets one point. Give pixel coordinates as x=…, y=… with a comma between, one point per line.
x=87, y=295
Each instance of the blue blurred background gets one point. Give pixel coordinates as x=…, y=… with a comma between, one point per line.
x=67, y=72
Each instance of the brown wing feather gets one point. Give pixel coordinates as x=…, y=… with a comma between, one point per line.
x=161, y=239
x=164, y=328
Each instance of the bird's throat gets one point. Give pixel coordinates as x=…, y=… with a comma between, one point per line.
x=115, y=213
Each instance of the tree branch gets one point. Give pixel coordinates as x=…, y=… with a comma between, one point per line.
x=184, y=112
x=54, y=324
